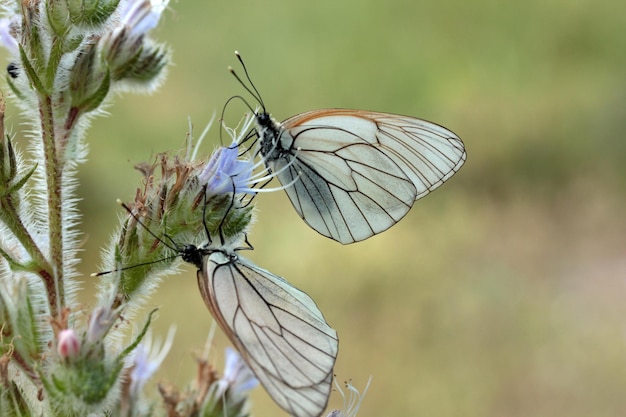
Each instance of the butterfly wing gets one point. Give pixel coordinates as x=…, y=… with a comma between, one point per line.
x=349, y=193
x=359, y=172
x=278, y=330
x=426, y=152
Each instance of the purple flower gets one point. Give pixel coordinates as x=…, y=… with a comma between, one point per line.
x=147, y=359
x=7, y=34
x=123, y=44
x=238, y=379
x=140, y=16
x=224, y=173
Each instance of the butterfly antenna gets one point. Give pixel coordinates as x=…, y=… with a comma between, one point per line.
x=97, y=274
x=245, y=70
x=232, y=71
x=173, y=247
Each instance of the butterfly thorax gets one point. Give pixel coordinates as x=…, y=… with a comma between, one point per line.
x=272, y=135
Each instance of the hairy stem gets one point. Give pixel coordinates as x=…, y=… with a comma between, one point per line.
x=54, y=174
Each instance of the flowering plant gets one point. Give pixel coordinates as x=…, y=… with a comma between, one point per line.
x=67, y=59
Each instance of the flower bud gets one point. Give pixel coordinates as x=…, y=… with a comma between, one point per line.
x=126, y=50
x=100, y=322
x=58, y=16
x=89, y=80
x=92, y=12
x=68, y=344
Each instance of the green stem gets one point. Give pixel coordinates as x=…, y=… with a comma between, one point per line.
x=54, y=173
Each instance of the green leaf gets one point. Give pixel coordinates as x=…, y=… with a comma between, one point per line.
x=139, y=337
x=14, y=88
x=56, y=54
x=20, y=183
x=26, y=325
x=32, y=74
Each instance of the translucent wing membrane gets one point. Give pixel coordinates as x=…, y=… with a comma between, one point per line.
x=277, y=328
x=428, y=153
x=347, y=195
x=357, y=173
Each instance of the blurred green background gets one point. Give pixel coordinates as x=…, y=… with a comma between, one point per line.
x=503, y=293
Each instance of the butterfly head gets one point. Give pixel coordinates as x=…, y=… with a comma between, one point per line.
x=264, y=120
x=192, y=254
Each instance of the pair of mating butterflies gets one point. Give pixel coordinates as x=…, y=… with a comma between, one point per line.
x=350, y=174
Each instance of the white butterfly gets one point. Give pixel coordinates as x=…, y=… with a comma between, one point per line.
x=355, y=173
x=278, y=330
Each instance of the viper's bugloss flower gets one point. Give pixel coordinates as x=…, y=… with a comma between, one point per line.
x=225, y=173
x=238, y=379
x=129, y=54
x=228, y=171
x=228, y=395
x=8, y=29
x=140, y=16
x=147, y=359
